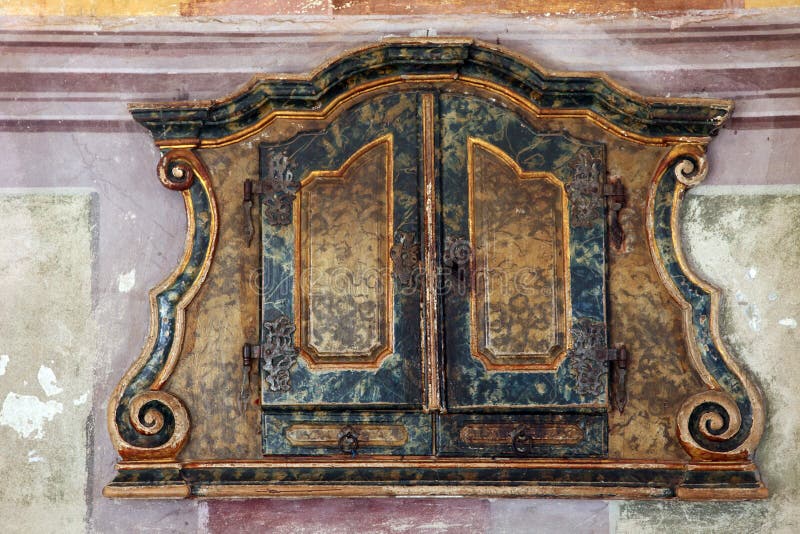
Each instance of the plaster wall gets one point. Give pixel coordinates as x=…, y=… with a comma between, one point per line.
x=86, y=230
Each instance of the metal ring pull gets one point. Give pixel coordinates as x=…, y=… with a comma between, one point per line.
x=521, y=440
x=348, y=440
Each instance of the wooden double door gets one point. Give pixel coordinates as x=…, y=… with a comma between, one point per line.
x=433, y=282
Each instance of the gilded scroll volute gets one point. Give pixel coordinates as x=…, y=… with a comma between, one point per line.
x=145, y=421
x=726, y=421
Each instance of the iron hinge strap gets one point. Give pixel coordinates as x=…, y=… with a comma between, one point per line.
x=250, y=352
x=614, y=192
x=255, y=187
x=618, y=354
x=617, y=357
x=250, y=355
x=614, y=188
x=252, y=188
x=277, y=195
x=247, y=204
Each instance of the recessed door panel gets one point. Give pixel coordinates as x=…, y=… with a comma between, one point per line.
x=344, y=266
x=520, y=241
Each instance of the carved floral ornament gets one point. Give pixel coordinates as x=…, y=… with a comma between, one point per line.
x=585, y=189
x=719, y=427
x=278, y=353
x=280, y=191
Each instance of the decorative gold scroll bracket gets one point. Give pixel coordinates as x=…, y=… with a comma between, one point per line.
x=727, y=421
x=145, y=422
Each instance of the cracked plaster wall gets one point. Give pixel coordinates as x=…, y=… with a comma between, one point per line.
x=46, y=367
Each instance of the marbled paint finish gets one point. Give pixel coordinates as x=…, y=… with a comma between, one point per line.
x=223, y=315
x=397, y=382
x=469, y=383
x=519, y=250
x=208, y=375
x=701, y=306
x=417, y=426
x=449, y=57
x=592, y=441
x=345, y=233
x=612, y=110
x=167, y=312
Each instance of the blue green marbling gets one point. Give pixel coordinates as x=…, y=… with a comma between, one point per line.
x=700, y=301
x=166, y=304
x=463, y=58
x=469, y=384
x=398, y=381
x=418, y=426
x=593, y=444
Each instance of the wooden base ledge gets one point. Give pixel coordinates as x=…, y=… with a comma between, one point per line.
x=598, y=479
x=157, y=491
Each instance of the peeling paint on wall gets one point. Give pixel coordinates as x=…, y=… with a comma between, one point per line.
x=46, y=329
x=45, y=234
x=47, y=379
x=126, y=281
x=729, y=231
x=27, y=414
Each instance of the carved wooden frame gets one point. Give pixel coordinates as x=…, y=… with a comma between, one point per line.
x=377, y=354
x=719, y=428
x=554, y=357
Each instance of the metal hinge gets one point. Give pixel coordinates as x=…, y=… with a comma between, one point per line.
x=276, y=189
x=252, y=188
x=614, y=191
x=617, y=359
x=250, y=354
x=275, y=356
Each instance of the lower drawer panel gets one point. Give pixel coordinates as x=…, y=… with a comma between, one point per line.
x=539, y=435
x=350, y=433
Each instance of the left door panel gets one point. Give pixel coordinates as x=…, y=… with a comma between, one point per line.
x=340, y=225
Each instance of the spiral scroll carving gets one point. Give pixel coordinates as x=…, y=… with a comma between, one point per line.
x=691, y=169
x=726, y=421
x=710, y=426
x=145, y=422
x=162, y=417
x=176, y=169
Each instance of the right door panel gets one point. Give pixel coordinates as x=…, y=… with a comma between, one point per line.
x=523, y=259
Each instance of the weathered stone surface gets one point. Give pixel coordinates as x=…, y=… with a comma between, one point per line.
x=46, y=358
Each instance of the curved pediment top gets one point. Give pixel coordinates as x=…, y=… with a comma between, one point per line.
x=620, y=110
